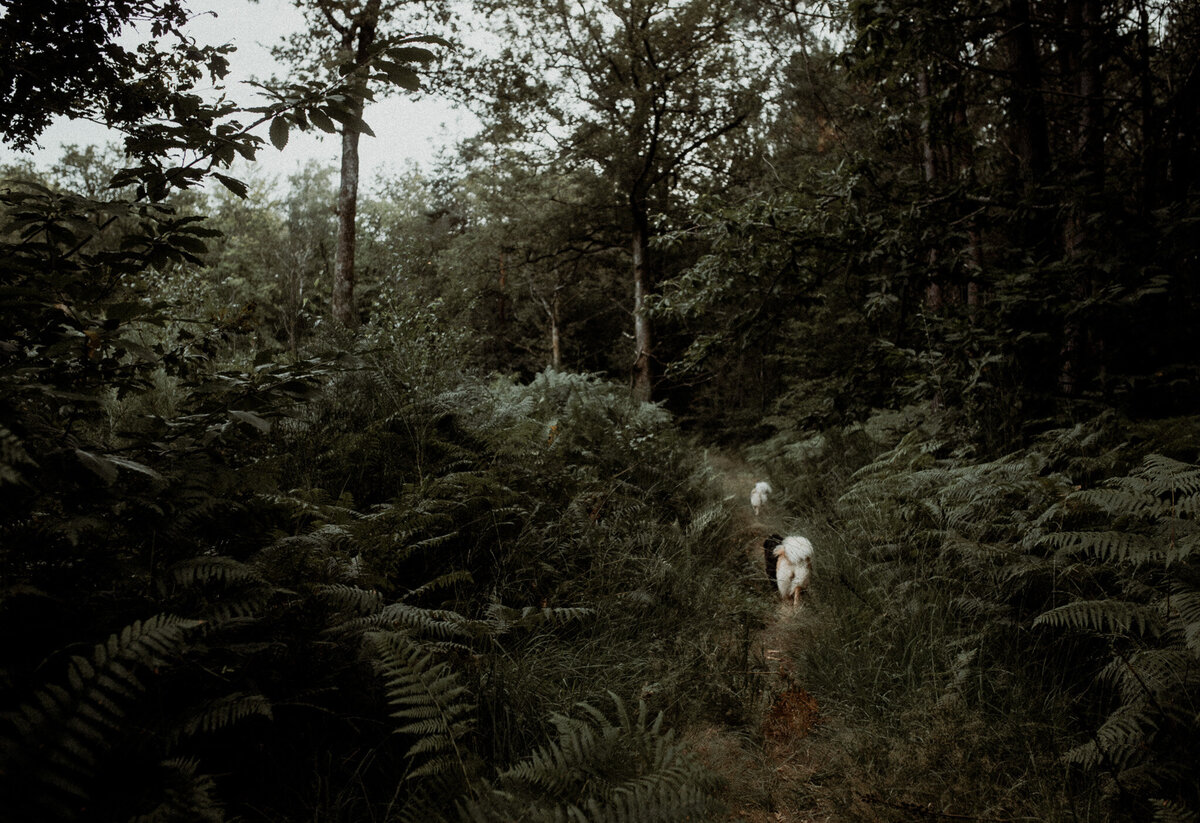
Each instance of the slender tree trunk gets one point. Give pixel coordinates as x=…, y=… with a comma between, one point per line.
x=347, y=210
x=502, y=298
x=928, y=151
x=553, y=309
x=965, y=153
x=555, y=340
x=643, y=377
x=933, y=286
x=359, y=36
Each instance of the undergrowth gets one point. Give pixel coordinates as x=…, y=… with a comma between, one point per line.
x=395, y=600
x=1011, y=638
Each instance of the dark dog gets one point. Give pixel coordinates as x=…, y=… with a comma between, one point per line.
x=769, y=545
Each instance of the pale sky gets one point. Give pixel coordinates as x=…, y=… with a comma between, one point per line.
x=406, y=130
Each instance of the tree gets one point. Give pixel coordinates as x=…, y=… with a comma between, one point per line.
x=543, y=271
x=63, y=58
x=352, y=39
x=985, y=227
x=648, y=93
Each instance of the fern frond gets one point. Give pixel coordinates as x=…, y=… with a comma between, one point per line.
x=63, y=732
x=431, y=703
x=1109, y=546
x=1165, y=475
x=190, y=797
x=1104, y=617
x=600, y=770
x=1129, y=500
x=1120, y=740
x=351, y=599
x=229, y=590
x=309, y=505
x=225, y=711
x=441, y=583
x=711, y=517
x=1184, y=602
x=214, y=567
x=1154, y=674
x=442, y=624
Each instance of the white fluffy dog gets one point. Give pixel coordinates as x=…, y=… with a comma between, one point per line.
x=758, y=497
x=792, y=568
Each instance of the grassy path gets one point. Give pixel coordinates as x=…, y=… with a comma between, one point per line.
x=767, y=773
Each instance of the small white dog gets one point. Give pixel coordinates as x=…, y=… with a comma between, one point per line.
x=758, y=497
x=792, y=567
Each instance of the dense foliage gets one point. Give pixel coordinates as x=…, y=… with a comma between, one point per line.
x=427, y=555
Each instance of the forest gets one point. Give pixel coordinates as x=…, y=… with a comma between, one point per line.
x=427, y=497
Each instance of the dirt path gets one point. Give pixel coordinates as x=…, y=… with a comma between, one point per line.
x=738, y=479
x=767, y=773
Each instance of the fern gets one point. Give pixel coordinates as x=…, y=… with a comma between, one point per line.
x=226, y=590
x=1151, y=616
x=1155, y=676
x=60, y=736
x=189, y=797
x=1118, y=741
x=430, y=703
x=224, y=712
x=1184, y=605
x=351, y=599
x=598, y=770
x=1115, y=617
x=1107, y=546
x=212, y=568
x=503, y=619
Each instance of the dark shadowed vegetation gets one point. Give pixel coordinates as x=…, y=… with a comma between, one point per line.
x=341, y=503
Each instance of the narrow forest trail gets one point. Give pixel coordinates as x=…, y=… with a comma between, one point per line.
x=768, y=784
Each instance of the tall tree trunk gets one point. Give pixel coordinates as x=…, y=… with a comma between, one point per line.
x=643, y=376
x=347, y=210
x=1151, y=179
x=555, y=337
x=360, y=36
x=933, y=286
x=1083, y=17
x=502, y=294
x=964, y=153
x=1027, y=107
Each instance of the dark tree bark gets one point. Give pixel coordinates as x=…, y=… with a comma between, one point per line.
x=1086, y=62
x=359, y=35
x=1027, y=107
x=934, y=296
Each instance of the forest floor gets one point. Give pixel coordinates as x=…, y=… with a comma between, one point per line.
x=768, y=770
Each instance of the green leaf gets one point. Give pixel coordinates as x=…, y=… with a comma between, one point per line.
x=321, y=121
x=251, y=419
x=400, y=75
x=233, y=184
x=409, y=54
x=133, y=465
x=102, y=466
x=279, y=132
